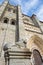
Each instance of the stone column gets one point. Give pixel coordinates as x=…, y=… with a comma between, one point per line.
x=20, y=27
x=7, y=61
x=36, y=58
x=6, y=55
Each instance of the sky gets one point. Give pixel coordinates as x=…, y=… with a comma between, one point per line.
x=29, y=7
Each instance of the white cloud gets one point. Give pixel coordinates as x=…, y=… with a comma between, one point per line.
x=16, y=1
x=39, y=13
x=26, y=6
x=29, y=4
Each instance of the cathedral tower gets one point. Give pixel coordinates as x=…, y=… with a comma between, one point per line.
x=22, y=32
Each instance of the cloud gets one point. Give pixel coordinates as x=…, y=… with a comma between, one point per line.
x=15, y=1
x=26, y=5
x=30, y=4
x=39, y=13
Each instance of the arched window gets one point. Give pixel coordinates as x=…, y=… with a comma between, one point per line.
x=14, y=11
x=6, y=20
x=9, y=9
x=13, y=22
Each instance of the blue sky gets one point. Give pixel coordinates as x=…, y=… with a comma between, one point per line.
x=29, y=7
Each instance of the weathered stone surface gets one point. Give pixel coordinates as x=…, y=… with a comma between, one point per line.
x=24, y=28
x=35, y=42
x=18, y=55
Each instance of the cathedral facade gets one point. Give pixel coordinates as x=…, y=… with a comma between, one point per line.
x=21, y=37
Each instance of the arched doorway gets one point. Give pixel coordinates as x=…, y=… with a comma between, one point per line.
x=37, y=59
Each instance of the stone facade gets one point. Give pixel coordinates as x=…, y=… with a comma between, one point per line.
x=21, y=30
